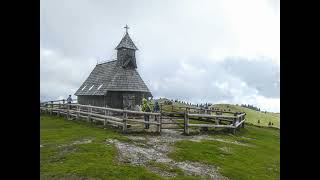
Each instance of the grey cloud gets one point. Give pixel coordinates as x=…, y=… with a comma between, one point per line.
x=215, y=81
x=260, y=74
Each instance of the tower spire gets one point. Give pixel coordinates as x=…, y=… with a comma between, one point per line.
x=126, y=41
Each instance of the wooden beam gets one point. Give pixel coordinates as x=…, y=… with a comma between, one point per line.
x=210, y=116
x=211, y=125
x=157, y=119
x=160, y=121
x=186, y=123
x=172, y=128
x=141, y=121
x=141, y=112
x=103, y=116
x=110, y=121
x=171, y=123
x=125, y=117
x=239, y=123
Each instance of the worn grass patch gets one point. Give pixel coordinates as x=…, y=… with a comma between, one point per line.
x=165, y=167
x=261, y=160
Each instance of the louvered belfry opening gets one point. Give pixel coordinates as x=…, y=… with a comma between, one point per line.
x=116, y=83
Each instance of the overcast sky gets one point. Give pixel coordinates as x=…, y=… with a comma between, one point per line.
x=218, y=51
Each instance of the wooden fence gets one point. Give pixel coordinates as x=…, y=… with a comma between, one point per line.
x=127, y=118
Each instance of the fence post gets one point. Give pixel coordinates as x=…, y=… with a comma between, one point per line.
x=51, y=107
x=217, y=121
x=124, y=127
x=78, y=112
x=58, y=112
x=46, y=108
x=68, y=108
x=238, y=121
x=186, y=122
x=172, y=107
x=157, y=119
x=233, y=130
x=160, y=121
x=109, y=114
x=91, y=112
x=105, y=119
x=243, y=117
x=89, y=115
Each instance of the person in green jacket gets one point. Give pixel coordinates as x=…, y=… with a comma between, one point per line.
x=146, y=108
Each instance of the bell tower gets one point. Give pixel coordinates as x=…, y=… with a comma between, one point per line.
x=126, y=51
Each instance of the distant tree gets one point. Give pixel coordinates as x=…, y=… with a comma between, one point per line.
x=259, y=121
x=269, y=123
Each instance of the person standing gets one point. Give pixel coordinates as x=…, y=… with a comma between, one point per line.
x=156, y=107
x=146, y=108
x=69, y=100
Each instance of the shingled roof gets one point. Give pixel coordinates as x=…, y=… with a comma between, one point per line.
x=126, y=42
x=111, y=76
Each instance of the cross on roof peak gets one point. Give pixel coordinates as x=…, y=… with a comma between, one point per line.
x=126, y=27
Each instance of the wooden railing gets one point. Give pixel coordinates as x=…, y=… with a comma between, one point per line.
x=122, y=117
x=112, y=116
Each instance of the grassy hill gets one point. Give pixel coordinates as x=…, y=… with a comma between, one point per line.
x=78, y=150
x=253, y=116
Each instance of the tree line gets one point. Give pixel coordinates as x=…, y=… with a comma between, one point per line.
x=250, y=107
x=204, y=105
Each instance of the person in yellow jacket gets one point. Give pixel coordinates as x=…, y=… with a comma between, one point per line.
x=146, y=108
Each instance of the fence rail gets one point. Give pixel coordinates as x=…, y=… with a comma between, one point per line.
x=122, y=117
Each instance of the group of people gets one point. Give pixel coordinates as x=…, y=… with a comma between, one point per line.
x=146, y=108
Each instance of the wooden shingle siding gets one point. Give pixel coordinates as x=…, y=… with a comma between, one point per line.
x=113, y=79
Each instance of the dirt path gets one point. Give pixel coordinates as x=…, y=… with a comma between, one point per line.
x=147, y=148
